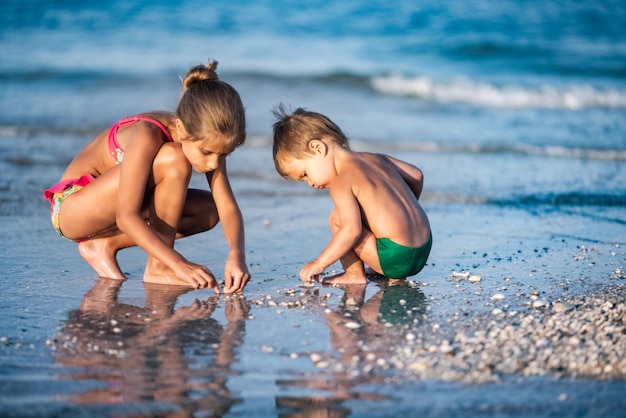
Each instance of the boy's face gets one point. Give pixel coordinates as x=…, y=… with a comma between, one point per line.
x=318, y=170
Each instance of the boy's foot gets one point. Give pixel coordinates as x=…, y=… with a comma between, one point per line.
x=101, y=258
x=370, y=273
x=345, y=279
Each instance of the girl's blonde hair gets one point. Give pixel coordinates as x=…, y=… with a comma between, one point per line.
x=209, y=105
x=293, y=132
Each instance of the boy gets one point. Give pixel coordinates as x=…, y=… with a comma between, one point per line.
x=377, y=219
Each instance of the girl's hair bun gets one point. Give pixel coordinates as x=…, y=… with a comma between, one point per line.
x=200, y=73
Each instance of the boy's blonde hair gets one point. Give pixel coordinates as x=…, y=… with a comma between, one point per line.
x=209, y=105
x=294, y=131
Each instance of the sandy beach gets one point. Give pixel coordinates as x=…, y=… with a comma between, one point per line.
x=507, y=304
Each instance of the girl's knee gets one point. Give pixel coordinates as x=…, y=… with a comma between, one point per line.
x=170, y=162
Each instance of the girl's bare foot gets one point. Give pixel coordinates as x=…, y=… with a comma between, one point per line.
x=157, y=272
x=101, y=257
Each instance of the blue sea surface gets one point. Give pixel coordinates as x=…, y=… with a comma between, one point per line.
x=514, y=109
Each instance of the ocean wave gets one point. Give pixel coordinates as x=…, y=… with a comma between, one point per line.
x=568, y=199
x=8, y=132
x=485, y=94
x=472, y=148
x=475, y=148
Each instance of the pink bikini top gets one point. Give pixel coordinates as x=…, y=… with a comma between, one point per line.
x=117, y=152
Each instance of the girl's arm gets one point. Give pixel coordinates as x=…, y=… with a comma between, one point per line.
x=412, y=175
x=347, y=234
x=139, y=157
x=236, y=273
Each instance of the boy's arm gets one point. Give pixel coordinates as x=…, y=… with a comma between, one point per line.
x=343, y=239
x=236, y=273
x=412, y=175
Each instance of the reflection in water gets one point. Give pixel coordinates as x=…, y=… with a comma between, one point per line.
x=364, y=333
x=176, y=361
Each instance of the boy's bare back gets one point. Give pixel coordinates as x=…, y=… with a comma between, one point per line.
x=389, y=207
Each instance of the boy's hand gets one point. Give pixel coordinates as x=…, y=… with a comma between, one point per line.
x=311, y=271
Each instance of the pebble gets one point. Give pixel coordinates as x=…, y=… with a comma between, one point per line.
x=587, y=342
x=352, y=325
x=474, y=279
x=561, y=307
x=498, y=296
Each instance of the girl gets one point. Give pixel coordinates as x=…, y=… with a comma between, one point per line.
x=129, y=186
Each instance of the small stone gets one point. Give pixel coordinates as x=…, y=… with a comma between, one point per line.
x=474, y=279
x=540, y=304
x=498, y=296
x=418, y=366
x=561, y=307
x=352, y=325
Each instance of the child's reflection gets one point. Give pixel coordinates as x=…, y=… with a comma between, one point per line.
x=365, y=334
x=152, y=353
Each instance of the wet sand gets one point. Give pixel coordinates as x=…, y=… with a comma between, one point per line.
x=542, y=333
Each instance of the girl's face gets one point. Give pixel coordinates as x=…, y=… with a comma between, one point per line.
x=207, y=154
x=318, y=170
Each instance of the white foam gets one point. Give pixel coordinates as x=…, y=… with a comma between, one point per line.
x=477, y=93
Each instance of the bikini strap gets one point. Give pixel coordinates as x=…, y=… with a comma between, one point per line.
x=114, y=145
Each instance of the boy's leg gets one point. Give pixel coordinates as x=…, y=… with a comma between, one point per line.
x=352, y=261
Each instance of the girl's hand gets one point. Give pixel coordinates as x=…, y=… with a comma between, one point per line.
x=311, y=271
x=198, y=276
x=236, y=274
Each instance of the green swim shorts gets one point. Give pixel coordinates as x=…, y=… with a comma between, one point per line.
x=398, y=261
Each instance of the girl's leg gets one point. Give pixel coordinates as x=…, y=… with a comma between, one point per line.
x=92, y=210
x=175, y=211
x=89, y=211
x=364, y=251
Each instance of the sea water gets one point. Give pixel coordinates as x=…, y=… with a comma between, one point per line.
x=514, y=110
x=528, y=82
